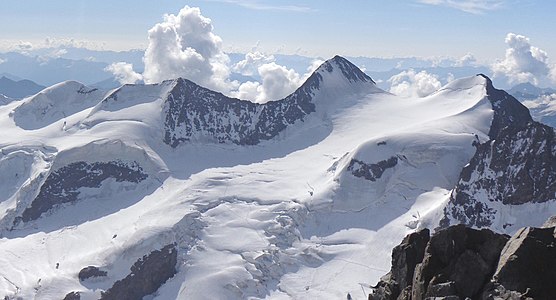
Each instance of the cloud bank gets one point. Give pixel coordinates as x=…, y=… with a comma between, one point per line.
x=409, y=83
x=524, y=62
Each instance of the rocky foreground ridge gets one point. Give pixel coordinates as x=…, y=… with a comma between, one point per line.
x=464, y=263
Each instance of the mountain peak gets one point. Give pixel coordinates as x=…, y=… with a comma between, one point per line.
x=350, y=71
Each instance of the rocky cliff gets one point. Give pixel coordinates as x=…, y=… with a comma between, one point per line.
x=461, y=263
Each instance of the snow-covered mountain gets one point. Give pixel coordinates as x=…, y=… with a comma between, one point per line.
x=175, y=191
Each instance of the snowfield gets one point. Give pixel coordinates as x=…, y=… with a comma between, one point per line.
x=312, y=213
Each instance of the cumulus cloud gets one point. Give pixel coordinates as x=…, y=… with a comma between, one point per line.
x=276, y=83
x=466, y=60
x=2, y=60
x=524, y=62
x=123, y=72
x=184, y=45
x=252, y=61
x=469, y=6
x=410, y=83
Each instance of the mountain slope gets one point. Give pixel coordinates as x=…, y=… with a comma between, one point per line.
x=302, y=197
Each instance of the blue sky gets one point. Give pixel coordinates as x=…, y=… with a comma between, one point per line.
x=317, y=28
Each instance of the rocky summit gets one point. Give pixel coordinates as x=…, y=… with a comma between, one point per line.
x=459, y=262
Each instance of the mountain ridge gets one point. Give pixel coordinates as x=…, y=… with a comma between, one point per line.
x=307, y=182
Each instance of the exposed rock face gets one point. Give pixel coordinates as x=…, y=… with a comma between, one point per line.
x=460, y=262
x=371, y=172
x=194, y=112
x=528, y=263
x=62, y=185
x=91, y=271
x=516, y=166
x=147, y=275
x=457, y=261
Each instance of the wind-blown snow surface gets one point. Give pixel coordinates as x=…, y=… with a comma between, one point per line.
x=313, y=212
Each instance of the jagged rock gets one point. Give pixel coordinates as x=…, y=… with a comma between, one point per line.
x=459, y=254
x=528, y=263
x=456, y=263
x=407, y=255
x=371, y=172
x=62, y=185
x=147, y=275
x=522, y=150
x=73, y=296
x=386, y=289
x=405, y=258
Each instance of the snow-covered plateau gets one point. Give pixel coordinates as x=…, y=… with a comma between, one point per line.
x=173, y=191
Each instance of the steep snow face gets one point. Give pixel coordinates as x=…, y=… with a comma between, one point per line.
x=298, y=198
x=55, y=103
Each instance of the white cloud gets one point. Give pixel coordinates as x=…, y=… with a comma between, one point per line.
x=2, y=60
x=466, y=60
x=251, y=63
x=123, y=72
x=276, y=83
x=184, y=45
x=524, y=63
x=469, y=6
x=409, y=83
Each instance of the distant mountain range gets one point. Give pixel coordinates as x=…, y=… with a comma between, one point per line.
x=18, y=88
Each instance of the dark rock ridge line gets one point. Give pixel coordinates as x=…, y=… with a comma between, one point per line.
x=516, y=166
x=147, y=275
x=62, y=186
x=460, y=263
x=371, y=172
x=193, y=112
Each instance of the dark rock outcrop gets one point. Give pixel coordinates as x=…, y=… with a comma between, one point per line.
x=90, y=271
x=194, y=112
x=460, y=263
x=528, y=263
x=62, y=185
x=371, y=172
x=522, y=150
x=147, y=275
x=73, y=296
